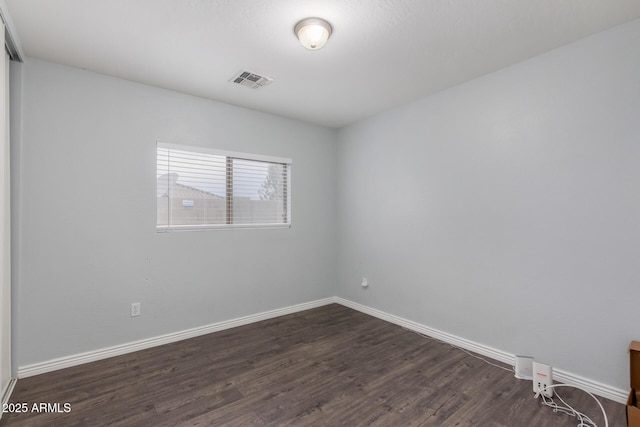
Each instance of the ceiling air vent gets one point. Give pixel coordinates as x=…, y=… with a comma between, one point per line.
x=249, y=79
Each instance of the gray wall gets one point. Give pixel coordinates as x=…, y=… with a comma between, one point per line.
x=86, y=199
x=506, y=210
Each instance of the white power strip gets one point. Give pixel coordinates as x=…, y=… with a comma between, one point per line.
x=542, y=379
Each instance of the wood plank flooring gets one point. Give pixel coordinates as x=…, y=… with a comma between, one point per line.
x=330, y=366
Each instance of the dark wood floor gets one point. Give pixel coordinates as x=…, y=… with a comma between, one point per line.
x=330, y=366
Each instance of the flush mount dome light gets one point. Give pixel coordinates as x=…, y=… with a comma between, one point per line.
x=313, y=33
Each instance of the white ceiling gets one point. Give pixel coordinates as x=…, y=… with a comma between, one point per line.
x=382, y=53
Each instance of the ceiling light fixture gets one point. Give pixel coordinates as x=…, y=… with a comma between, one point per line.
x=313, y=33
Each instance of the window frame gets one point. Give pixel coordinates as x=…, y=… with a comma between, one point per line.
x=230, y=156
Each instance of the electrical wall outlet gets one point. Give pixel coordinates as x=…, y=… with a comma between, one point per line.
x=135, y=309
x=542, y=379
x=364, y=283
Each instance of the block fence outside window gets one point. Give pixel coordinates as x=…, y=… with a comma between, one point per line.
x=202, y=188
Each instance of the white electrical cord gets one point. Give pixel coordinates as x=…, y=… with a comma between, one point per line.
x=459, y=348
x=583, y=420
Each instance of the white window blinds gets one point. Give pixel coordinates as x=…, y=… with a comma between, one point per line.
x=203, y=188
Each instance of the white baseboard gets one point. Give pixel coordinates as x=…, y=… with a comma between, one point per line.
x=481, y=349
x=92, y=356
x=594, y=387
x=599, y=389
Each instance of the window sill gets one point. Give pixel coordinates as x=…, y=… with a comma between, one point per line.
x=169, y=229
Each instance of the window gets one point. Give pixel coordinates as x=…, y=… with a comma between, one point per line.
x=203, y=188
